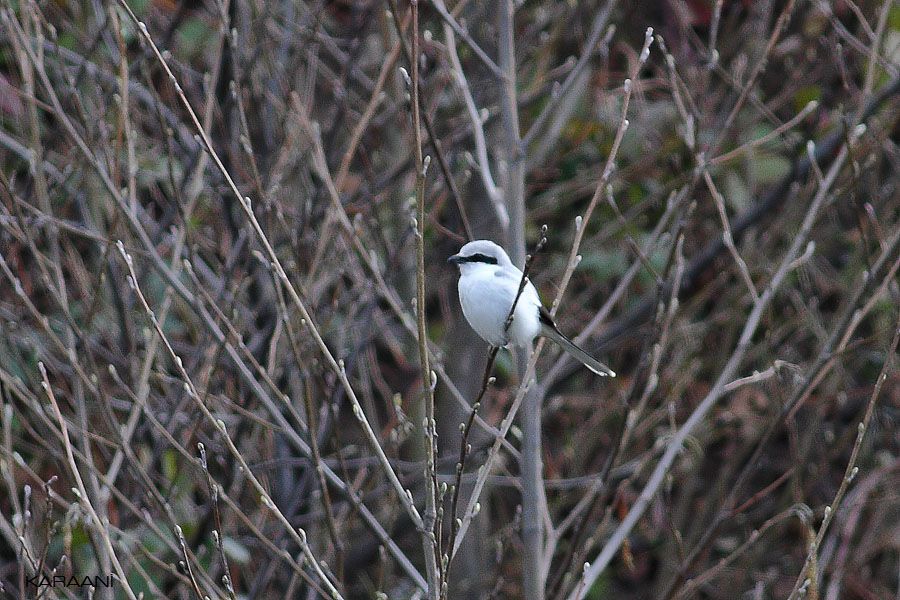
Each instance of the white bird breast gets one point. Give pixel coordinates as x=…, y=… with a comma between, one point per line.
x=486, y=295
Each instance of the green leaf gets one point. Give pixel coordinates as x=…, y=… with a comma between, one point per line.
x=737, y=194
x=139, y=6
x=806, y=95
x=170, y=464
x=604, y=265
x=194, y=35
x=768, y=168
x=894, y=17
x=67, y=40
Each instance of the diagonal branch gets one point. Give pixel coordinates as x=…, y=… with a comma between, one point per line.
x=675, y=445
x=484, y=166
x=594, y=37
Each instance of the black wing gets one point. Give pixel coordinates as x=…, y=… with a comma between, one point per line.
x=546, y=318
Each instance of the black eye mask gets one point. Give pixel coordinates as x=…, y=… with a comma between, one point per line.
x=479, y=258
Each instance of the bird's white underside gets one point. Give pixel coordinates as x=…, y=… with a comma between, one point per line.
x=486, y=293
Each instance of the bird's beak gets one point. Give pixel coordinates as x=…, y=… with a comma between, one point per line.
x=455, y=259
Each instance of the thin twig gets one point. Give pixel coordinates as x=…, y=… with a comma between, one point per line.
x=527, y=379
x=299, y=535
x=758, y=68
x=244, y=203
x=852, y=470
x=149, y=249
x=101, y=527
x=465, y=447
x=608, y=170
x=213, y=489
x=833, y=347
x=368, y=260
x=801, y=511
x=482, y=162
x=432, y=136
x=635, y=405
x=429, y=378
x=450, y=22
x=597, y=27
x=363, y=122
x=727, y=238
x=699, y=413
x=810, y=107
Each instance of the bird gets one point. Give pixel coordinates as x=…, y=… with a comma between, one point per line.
x=488, y=285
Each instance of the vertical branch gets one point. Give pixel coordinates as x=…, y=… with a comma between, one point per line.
x=429, y=128
x=509, y=115
x=525, y=386
x=429, y=540
x=465, y=447
x=533, y=498
x=213, y=489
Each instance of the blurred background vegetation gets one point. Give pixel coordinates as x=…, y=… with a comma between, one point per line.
x=736, y=117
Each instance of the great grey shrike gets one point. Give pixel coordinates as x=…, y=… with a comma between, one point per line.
x=488, y=285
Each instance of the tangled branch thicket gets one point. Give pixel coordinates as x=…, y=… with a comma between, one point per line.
x=232, y=362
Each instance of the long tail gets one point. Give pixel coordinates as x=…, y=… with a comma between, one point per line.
x=569, y=346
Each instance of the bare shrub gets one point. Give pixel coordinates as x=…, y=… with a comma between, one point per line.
x=232, y=362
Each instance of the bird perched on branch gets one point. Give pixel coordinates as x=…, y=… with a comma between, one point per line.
x=489, y=283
